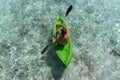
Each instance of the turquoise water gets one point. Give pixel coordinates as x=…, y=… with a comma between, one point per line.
x=25, y=28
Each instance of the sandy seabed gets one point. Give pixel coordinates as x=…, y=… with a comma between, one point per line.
x=25, y=29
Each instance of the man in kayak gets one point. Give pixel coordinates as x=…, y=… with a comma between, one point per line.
x=62, y=36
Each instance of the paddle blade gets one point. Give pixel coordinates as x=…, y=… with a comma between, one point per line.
x=68, y=10
x=45, y=49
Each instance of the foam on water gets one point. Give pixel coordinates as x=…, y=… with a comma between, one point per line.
x=25, y=29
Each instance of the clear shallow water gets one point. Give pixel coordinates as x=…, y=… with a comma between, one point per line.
x=25, y=28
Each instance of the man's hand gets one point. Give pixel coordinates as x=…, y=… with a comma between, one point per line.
x=52, y=40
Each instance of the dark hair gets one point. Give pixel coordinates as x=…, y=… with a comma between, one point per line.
x=63, y=31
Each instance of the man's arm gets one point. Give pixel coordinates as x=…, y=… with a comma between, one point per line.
x=53, y=41
x=67, y=34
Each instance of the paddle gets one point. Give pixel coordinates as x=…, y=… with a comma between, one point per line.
x=67, y=12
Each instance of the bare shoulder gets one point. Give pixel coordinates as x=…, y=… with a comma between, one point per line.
x=66, y=35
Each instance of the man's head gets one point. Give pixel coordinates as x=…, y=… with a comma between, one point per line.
x=63, y=31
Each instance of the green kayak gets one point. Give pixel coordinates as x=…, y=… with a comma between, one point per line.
x=63, y=52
